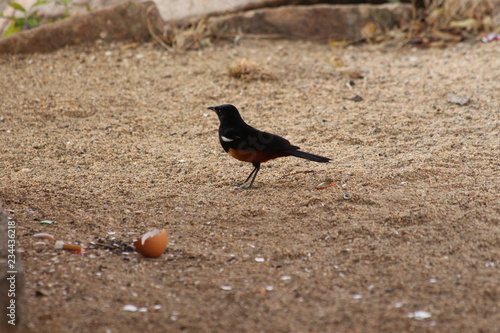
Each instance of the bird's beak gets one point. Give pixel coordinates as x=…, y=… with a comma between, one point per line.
x=211, y=108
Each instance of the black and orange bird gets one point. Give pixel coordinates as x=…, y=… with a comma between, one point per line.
x=248, y=144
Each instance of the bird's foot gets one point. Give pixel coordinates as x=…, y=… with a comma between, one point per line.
x=240, y=186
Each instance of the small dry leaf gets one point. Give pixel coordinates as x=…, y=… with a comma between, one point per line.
x=339, y=43
x=354, y=75
x=337, y=62
x=445, y=36
x=468, y=23
x=249, y=70
x=190, y=36
x=369, y=31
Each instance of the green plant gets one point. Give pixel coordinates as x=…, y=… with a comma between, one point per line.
x=30, y=18
x=65, y=4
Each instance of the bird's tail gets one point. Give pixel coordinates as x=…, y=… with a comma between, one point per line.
x=308, y=156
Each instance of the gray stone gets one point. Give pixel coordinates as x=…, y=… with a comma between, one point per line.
x=316, y=22
x=127, y=21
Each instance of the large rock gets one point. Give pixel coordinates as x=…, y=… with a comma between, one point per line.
x=180, y=9
x=127, y=21
x=172, y=9
x=316, y=22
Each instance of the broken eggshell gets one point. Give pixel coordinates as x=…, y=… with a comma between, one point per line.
x=44, y=235
x=328, y=182
x=152, y=244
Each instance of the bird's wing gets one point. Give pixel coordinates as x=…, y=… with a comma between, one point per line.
x=249, y=138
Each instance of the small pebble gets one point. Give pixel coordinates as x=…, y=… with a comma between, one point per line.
x=356, y=98
x=457, y=99
x=130, y=307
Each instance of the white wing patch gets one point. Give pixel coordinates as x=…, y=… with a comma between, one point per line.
x=226, y=139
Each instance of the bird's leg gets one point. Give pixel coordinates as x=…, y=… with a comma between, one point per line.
x=248, y=178
x=253, y=173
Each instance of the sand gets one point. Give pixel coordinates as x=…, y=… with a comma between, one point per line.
x=109, y=141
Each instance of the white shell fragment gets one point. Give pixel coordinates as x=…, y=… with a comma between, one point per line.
x=419, y=315
x=130, y=307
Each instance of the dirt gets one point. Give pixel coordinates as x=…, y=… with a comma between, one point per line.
x=112, y=140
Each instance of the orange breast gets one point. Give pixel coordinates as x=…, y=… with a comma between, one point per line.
x=253, y=155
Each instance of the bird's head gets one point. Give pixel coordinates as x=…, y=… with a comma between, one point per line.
x=226, y=113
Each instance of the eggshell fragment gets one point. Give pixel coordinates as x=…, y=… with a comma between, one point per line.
x=328, y=182
x=152, y=244
x=44, y=235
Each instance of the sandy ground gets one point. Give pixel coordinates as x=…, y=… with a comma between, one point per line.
x=110, y=141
